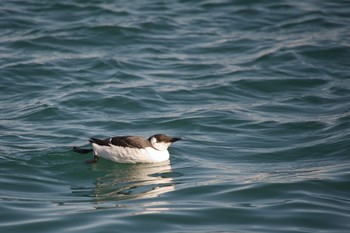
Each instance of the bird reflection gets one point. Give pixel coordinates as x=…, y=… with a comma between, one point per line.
x=129, y=181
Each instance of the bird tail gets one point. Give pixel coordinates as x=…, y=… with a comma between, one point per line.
x=81, y=150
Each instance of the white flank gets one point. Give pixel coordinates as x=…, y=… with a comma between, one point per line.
x=130, y=155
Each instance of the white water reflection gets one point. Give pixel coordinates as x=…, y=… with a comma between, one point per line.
x=126, y=181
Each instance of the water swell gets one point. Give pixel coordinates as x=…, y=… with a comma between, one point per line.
x=257, y=90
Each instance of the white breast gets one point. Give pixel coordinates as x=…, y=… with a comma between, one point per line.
x=130, y=155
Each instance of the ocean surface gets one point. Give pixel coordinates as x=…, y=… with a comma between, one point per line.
x=259, y=91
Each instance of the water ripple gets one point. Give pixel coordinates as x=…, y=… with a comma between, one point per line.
x=259, y=92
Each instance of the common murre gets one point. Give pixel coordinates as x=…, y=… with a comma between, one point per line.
x=130, y=149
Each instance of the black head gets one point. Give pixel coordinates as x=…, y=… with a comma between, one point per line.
x=161, y=141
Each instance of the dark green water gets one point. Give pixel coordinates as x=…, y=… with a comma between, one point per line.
x=259, y=90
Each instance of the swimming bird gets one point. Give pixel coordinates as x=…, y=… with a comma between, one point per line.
x=130, y=149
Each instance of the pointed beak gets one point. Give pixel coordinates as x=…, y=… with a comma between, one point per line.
x=175, y=139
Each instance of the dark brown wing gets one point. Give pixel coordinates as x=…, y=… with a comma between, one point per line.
x=131, y=141
x=101, y=142
x=125, y=141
